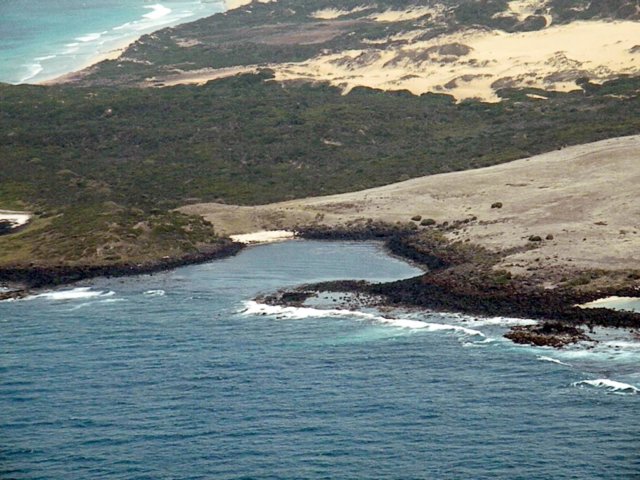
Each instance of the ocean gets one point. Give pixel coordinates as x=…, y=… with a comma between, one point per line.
x=43, y=39
x=181, y=375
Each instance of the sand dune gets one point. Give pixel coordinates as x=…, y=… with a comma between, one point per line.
x=475, y=63
x=471, y=64
x=585, y=196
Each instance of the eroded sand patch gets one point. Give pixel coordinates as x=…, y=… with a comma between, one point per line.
x=404, y=15
x=199, y=77
x=475, y=63
x=333, y=13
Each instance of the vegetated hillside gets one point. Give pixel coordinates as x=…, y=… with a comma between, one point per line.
x=293, y=31
x=102, y=163
x=248, y=140
x=103, y=166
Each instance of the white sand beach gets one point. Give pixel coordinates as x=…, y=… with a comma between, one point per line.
x=265, y=236
x=17, y=219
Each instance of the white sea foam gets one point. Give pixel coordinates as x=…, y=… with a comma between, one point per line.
x=154, y=293
x=295, y=313
x=502, y=322
x=97, y=302
x=33, y=69
x=543, y=358
x=46, y=57
x=479, y=343
x=610, y=386
x=157, y=11
x=91, y=37
x=79, y=293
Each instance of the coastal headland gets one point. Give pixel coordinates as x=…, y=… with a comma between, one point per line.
x=533, y=237
x=393, y=120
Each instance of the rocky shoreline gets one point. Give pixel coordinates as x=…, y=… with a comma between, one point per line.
x=460, y=278
x=25, y=279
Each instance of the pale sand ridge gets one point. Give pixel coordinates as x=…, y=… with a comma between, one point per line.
x=585, y=196
x=475, y=63
x=472, y=64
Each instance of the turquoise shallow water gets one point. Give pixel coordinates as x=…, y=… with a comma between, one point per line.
x=178, y=375
x=43, y=39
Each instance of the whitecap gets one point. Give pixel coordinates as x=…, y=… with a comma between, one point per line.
x=610, y=386
x=98, y=302
x=123, y=26
x=543, y=358
x=91, y=37
x=479, y=343
x=73, y=294
x=157, y=11
x=48, y=57
x=154, y=293
x=255, y=308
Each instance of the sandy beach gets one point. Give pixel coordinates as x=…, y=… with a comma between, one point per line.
x=17, y=219
x=265, y=236
x=581, y=201
x=112, y=54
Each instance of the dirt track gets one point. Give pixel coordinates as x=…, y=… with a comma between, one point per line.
x=586, y=197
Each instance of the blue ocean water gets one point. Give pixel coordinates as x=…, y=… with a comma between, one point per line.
x=43, y=39
x=179, y=375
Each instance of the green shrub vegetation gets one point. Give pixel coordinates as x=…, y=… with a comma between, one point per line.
x=102, y=163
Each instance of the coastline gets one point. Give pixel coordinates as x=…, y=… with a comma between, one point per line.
x=456, y=280
x=114, y=53
x=111, y=49
x=22, y=280
x=453, y=282
x=462, y=280
x=118, y=48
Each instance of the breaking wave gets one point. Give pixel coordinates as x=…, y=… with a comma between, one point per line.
x=80, y=50
x=154, y=293
x=610, y=386
x=157, y=11
x=502, y=321
x=543, y=358
x=294, y=313
x=79, y=293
